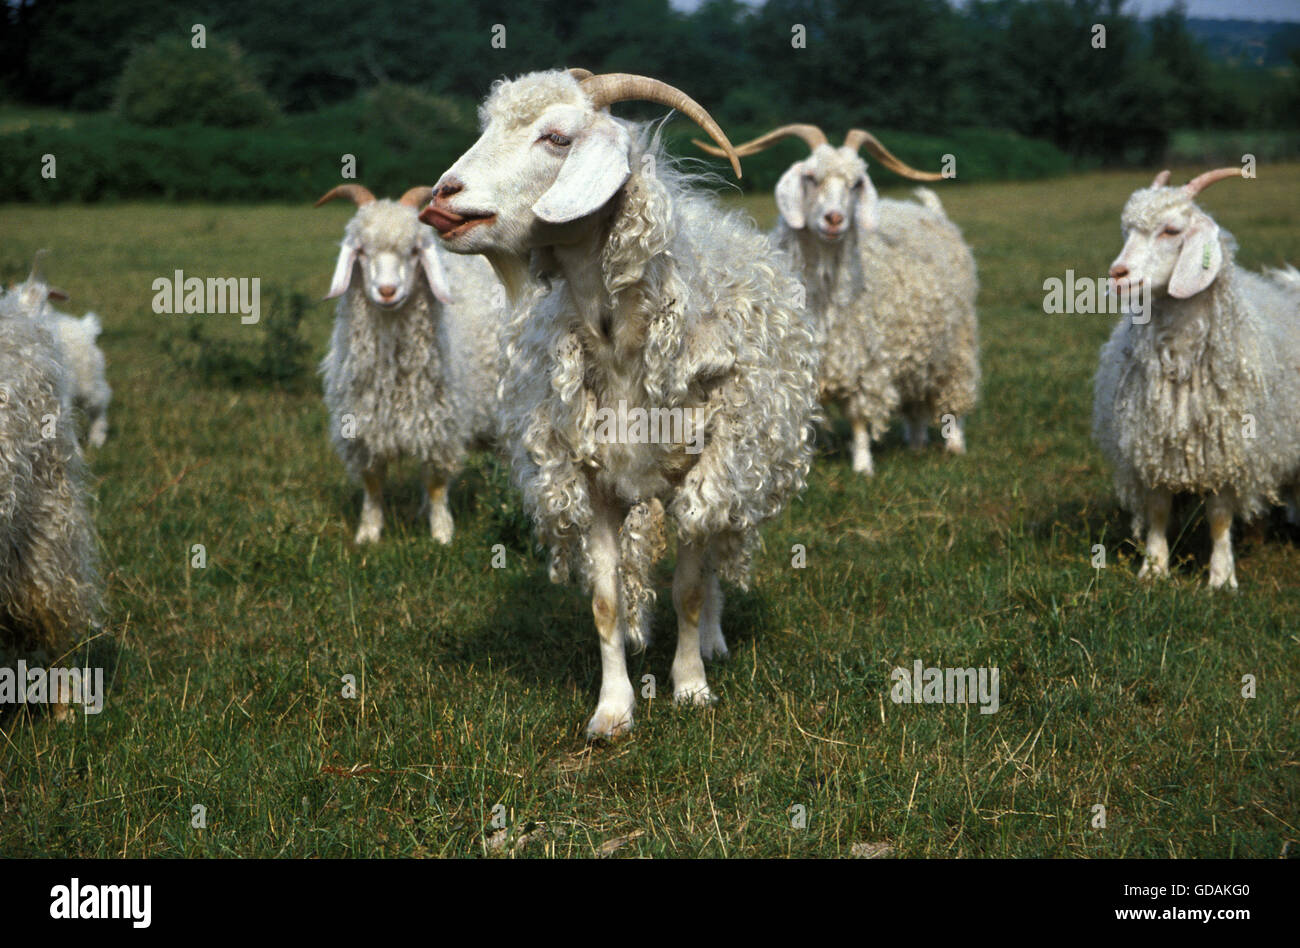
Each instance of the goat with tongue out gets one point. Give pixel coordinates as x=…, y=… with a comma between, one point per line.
x=633, y=292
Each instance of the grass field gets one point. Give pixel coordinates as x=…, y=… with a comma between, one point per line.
x=475, y=683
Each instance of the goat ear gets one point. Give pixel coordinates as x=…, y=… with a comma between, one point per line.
x=789, y=196
x=342, y=271
x=866, y=216
x=435, y=272
x=594, y=170
x=56, y=294
x=1198, y=262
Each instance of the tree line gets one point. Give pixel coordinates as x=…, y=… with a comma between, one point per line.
x=1040, y=68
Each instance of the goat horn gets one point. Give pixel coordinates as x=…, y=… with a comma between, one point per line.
x=1203, y=181
x=358, y=193
x=38, y=271
x=1161, y=179
x=856, y=138
x=811, y=135
x=580, y=74
x=614, y=87
x=416, y=196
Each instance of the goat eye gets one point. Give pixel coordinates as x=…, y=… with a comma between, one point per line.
x=555, y=138
x=857, y=185
x=1171, y=231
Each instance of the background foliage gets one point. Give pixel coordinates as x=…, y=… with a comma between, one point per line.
x=1014, y=87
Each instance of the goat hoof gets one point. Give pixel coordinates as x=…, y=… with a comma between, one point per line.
x=1149, y=573
x=695, y=695
x=609, y=721
x=441, y=531
x=1222, y=581
x=713, y=649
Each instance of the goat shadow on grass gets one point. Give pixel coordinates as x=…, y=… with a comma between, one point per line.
x=1107, y=523
x=544, y=633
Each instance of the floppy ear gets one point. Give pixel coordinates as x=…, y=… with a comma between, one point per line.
x=342, y=271
x=1198, y=262
x=594, y=170
x=866, y=216
x=789, y=195
x=434, y=272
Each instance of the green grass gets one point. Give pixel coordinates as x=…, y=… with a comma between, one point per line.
x=475, y=682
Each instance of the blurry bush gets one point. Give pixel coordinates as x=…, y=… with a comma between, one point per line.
x=400, y=137
x=170, y=83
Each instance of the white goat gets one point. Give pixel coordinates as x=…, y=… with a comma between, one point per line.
x=75, y=342
x=48, y=586
x=1204, y=398
x=891, y=285
x=409, y=370
x=652, y=301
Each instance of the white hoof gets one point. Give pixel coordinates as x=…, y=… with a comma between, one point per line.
x=98, y=434
x=864, y=467
x=712, y=644
x=610, y=720
x=955, y=444
x=368, y=533
x=441, y=526
x=1153, y=571
x=693, y=694
x=1221, y=577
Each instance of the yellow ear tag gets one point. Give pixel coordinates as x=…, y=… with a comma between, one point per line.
x=1205, y=257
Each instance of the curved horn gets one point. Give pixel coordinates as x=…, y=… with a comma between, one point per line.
x=614, y=87
x=358, y=193
x=416, y=197
x=1203, y=181
x=1160, y=180
x=812, y=137
x=856, y=138
x=580, y=74
x=38, y=269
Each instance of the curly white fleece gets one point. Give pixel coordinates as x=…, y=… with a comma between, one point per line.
x=417, y=380
x=49, y=592
x=706, y=315
x=895, y=308
x=1173, y=397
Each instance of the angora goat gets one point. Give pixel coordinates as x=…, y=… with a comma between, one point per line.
x=411, y=368
x=75, y=342
x=891, y=285
x=1204, y=398
x=48, y=586
x=652, y=299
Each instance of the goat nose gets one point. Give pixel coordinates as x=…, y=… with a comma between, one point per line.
x=387, y=291
x=834, y=218
x=448, y=188
x=1118, y=270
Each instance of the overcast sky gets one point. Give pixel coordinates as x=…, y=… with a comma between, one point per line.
x=1212, y=9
